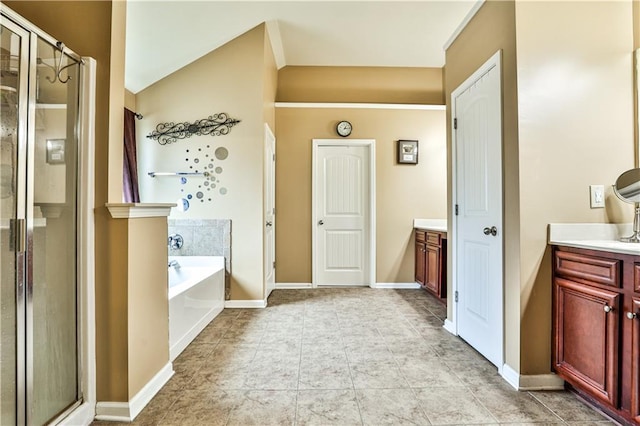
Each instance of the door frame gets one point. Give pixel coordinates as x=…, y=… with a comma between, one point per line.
x=269, y=138
x=495, y=61
x=371, y=145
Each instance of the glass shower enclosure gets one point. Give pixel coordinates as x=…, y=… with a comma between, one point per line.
x=39, y=339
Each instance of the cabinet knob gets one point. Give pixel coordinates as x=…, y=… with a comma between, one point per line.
x=631, y=315
x=607, y=308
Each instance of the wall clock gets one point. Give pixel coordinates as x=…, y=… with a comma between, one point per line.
x=343, y=128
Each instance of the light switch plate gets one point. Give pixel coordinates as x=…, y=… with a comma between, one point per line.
x=597, y=196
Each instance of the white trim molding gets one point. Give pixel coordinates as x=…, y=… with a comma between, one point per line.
x=450, y=326
x=294, y=286
x=533, y=382
x=347, y=105
x=245, y=304
x=404, y=286
x=138, y=210
x=474, y=9
x=127, y=411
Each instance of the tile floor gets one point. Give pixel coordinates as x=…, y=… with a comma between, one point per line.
x=355, y=356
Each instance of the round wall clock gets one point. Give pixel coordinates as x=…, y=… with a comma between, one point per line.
x=343, y=128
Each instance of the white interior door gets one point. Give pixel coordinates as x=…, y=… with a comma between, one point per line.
x=479, y=236
x=269, y=211
x=342, y=214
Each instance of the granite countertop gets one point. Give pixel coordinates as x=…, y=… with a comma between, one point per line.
x=439, y=225
x=593, y=236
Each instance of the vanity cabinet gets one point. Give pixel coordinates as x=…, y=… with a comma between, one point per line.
x=596, y=330
x=431, y=263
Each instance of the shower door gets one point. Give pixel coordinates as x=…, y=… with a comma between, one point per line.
x=38, y=202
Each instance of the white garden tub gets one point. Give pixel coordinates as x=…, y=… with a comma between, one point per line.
x=196, y=296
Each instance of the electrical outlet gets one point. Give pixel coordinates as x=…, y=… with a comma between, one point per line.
x=597, y=196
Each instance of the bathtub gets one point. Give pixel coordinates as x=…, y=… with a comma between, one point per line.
x=196, y=296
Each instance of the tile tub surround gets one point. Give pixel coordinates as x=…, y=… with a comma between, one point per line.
x=594, y=236
x=337, y=356
x=431, y=224
x=203, y=237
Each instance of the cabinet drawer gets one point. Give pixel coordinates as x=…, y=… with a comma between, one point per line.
x=588, y=268
x=433, y=238
x=421, y=236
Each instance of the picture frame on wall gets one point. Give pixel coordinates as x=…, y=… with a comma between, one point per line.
x=407, y=151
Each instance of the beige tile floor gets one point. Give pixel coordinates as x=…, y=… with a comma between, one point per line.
x=346, y=357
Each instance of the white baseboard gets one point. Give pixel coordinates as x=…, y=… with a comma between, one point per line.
x=532, y=382
x=245, y=304
x=188, y=337
x=294, y=286
x=450, y=327
x=83, y=415
x=404, y=286
x=127, y=411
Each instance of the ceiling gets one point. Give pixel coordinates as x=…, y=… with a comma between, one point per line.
x=164, y=36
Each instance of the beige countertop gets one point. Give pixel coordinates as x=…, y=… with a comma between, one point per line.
x=593, y=236
x=439, y=225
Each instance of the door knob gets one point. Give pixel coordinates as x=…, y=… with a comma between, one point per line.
x=631, y=315
x=607, y=308
x=269, y=224
x=321, y=222
x=490, y=231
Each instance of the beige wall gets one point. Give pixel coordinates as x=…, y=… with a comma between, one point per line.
x=231, y=80
x=575, y=94
x=129, y=101
x=148, y=307
x=360, y=84
x=403, y=192
x=493, y=29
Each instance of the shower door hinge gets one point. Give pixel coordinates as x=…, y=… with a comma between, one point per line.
x=456, y=210
x=274, y=265
x=17, y=235
x=274, y=157
x=455, y=296
x=455, y=123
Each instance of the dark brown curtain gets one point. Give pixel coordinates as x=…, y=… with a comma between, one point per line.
x=130, y=168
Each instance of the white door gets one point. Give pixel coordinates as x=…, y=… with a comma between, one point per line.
x=342, y=217
x=269, y=211
x=478, y=232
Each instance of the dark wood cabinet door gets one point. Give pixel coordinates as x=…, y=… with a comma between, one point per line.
x=586, y=338
x=432, y=278
x=420, y=263
x=635, y=357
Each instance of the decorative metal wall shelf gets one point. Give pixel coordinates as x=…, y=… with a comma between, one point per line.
x=214, y=125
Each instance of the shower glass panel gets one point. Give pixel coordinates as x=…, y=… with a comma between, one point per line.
x=11, y=45
x=52, y=312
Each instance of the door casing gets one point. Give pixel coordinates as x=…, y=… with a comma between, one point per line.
x=370, y=144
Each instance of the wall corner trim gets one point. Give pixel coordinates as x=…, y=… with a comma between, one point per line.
x=406, y=286
x=234, y=304
x=450, y=326
x=472, y=12
x=138, y=210
x=127, y=411
x=534, y=382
